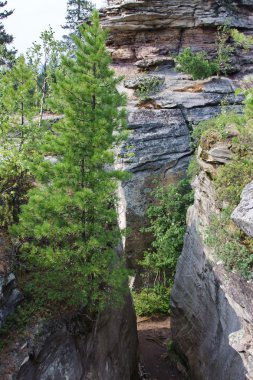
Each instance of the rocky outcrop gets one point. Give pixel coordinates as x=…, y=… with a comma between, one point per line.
x=212, y=310
x=243, y=214
x=159, y=144
x=150, y=30
x=145, y=35
x=76, y=348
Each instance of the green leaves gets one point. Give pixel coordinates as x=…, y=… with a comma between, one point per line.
x=167, y=225
x=196, y=64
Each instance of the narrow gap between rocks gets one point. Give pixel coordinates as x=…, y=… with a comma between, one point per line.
x=156, y=363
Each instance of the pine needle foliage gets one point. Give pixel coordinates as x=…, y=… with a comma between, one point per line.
x=17, y=134
x=7, y=56
x=68, y=229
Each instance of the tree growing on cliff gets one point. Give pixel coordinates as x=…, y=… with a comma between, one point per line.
x=68, y=229
x=6, y=55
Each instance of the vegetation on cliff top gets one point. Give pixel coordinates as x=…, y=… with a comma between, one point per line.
x=200, y=66
x=230, y=244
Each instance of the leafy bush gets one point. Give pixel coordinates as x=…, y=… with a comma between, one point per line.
x=241, y=40
x=167, y=224
x=216, y=126
x=152, y=301
x=232, y=178
x=196, y=64
x=200, y=67
x=230, y=244
x=193, y=168
x=148, y=86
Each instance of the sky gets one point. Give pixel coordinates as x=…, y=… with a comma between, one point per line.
x=31, y=17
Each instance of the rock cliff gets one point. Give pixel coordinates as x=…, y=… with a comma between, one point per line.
x=212, y=309
x=156, y=29
x=143, y=38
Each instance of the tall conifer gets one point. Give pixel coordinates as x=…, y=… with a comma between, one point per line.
x=6, y=55
x=69, y=228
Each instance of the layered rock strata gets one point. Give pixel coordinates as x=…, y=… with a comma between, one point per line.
x=159, y=144
x=145, y=35
x=156, y=29
x=212, y=309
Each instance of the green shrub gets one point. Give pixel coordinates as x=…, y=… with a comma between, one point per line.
x=151, y=301
x=217, y=124
x=168, y=225
x=200, y=67
x=232, y=178
x=196, y=64
x=193, y=168
x=148, y=86
x=230, y=244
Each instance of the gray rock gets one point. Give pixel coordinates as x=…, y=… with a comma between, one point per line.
x=220, y=153
x=155, y=61
x=10, y=296
x=158, y=148
x=212, y=310
x=243, y=214
x=135, y=82
x=77, y=350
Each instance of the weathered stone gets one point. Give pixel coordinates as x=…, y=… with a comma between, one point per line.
x=212, y=310
x=147, y=63
x=152, y=29
x=76, y=350
x=243, y=214
x=135, y=82
x=220, y=153
x=158, y=148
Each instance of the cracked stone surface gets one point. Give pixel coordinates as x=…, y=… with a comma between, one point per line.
x=212, y=309
x=243, y=214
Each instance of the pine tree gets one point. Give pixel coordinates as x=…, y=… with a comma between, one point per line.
x=6, y=56
x=69, y=226
x=45, y=58
x=17, y=109
x=78, y=12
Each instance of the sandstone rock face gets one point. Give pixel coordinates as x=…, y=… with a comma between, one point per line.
x=159, y=146
x=145, y=35
x=78, y=351
x=212, y=310
x=149, y=30
x=243, y=214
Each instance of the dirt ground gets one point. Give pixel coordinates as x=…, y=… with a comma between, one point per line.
x=155, y=362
